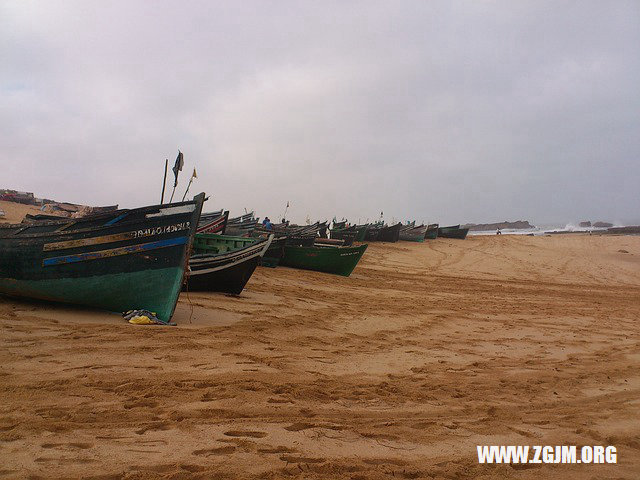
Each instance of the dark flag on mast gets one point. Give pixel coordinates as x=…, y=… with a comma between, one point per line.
x=178, y=167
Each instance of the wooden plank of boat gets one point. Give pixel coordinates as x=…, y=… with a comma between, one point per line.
x=328, y=259
x=124, y=260
x=226, y=266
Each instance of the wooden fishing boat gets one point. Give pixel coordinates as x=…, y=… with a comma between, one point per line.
x=348, y=234
x=213, y=222
x=328, y=259
x=288, y=230
x=300, y=240
x=339, y=225
x=322, y=230
x=121, y=260
x=432, y=232
x=371, y=233
x=413, y=234
x=453, y=231
x=390, y=234
x=242, y=226
x=223, y=263
x=274, y=253
x=362, y=232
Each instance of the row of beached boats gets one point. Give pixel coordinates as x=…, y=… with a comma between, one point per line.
x=121, y=260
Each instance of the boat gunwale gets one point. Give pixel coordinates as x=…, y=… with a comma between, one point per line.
x=23, y=226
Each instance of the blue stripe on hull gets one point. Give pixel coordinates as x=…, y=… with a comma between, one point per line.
x=143, y=247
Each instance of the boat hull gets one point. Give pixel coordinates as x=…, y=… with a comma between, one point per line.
x=415, y=234
x=151, y=290
x=362, y=233
x=432, y=232
x=274, y=253
x=453, y=232
x=390, y=234
x=347, y=234
x=226, y=272
x=129, y=259
x=336, y=260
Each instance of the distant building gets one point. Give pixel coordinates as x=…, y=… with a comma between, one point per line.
x=18, y=197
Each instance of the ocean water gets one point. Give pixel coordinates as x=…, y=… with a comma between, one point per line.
x=544, y=229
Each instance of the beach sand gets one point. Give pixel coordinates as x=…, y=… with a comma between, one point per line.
x=15, y=212
x=399, y=371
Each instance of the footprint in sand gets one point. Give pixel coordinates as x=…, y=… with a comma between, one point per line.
x=65, y=461
x=245, y=433
x=299, y=426
x=78, y=445
x=292, y=459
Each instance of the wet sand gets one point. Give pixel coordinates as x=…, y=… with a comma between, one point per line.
x=399, y=371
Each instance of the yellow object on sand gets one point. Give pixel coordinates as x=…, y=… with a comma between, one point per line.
x=141, y=320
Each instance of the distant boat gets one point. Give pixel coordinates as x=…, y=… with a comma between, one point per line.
x=339, y=225
x=241, y=226
x=274, y=253
x=432, y=232
x=390, y=234
x=223, y=263
x=454, y=231
x=371, y=233
x=348, y=234
x=328, y=259
x=120, y=260
x=411, y=233
x=330, y=241
x=362, y=232
x=378, y=232
x=213, y=222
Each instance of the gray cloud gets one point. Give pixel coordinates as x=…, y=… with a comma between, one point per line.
x=438, y=111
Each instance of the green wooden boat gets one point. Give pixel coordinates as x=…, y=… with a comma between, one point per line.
x=411, y=233
x=432, y=232
x=362, y=232
x=119, y=260
x=325, y=258
x=222, y=263
x=453, y=231
x=214, y=243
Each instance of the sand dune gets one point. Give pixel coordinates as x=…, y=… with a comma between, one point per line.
x=399, y=371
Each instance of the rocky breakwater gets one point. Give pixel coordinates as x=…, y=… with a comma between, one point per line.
x=483, y=227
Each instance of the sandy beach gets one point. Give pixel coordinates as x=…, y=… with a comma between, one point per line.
x=399, y=371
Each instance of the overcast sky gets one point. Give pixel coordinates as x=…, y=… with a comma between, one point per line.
x=453, y=111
